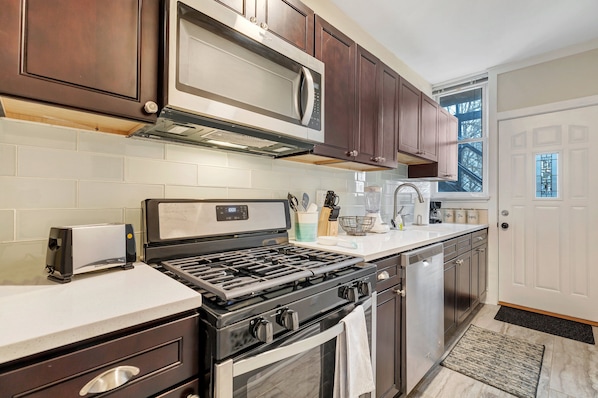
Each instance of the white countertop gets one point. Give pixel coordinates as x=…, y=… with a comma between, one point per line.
x=373, y=246
x=37, y=318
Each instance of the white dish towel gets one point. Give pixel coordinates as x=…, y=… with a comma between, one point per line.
x=353, y=374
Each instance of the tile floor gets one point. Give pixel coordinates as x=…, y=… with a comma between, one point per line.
x=569, y=369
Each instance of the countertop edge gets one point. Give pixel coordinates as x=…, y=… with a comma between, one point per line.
x=186, y=300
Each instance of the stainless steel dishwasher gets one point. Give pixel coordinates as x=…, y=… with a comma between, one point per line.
x=423, y=313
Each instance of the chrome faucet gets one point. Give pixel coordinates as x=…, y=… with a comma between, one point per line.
x=420, y=197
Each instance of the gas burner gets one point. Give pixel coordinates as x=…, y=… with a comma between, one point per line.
x=239, y=273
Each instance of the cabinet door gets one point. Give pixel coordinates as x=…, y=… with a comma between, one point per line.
x=94, y=55
x=289, y=19
x=388, y=117
x=366, y=114
x=409, y=117
x=388, y=360
x=451, y=148
x=482, y=253
x=240, y=6
x=338, y=52
x=446, y=144
x=428, y=140
x=463, y=296
x=450, y=294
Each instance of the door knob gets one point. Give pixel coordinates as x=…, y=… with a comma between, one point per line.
x=504, y=225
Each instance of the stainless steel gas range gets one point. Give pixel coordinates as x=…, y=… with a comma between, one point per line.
x=271, y=311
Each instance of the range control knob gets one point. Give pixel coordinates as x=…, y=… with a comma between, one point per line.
x=364, y=288
x=349, y=293
x=262, y=330
x=288, y=319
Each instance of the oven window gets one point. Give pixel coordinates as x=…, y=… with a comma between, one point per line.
x=308, y=374
x=295, y=377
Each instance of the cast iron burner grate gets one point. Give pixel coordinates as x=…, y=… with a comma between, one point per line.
x=243, y=272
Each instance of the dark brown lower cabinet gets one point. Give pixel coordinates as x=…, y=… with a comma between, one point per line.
x=388, y=328
x=465, y=273
x=163, y=355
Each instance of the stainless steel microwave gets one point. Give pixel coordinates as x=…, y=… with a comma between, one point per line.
x=231, y=84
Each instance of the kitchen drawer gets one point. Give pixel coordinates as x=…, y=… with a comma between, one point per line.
x=166, y=354
x=388, y=272
x=478, y=238
x=456, y=246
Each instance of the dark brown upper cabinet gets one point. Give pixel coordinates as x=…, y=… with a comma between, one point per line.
x=338, y=52
x=289, y=19
x=446, y=167
x=418, y=125
x=377, y=111
x=360, y=104
x=91, y=55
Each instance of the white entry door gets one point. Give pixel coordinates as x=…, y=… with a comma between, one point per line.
x=548, y=207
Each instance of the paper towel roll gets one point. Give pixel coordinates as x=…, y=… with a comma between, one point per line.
x=423, y=210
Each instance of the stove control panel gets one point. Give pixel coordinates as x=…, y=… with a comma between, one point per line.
x=232, y=212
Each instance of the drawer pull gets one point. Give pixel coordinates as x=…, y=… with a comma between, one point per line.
x=399, y=292
x=109, y=380
x=192, y=396
x=459, y=262
x=479, y=238
x=382, y=276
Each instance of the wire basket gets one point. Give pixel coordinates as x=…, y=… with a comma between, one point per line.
x=356, y=225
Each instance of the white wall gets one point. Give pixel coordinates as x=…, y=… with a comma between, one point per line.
x=54, y=176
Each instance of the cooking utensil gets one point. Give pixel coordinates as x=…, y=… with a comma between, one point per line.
x=305, y=201
x=293, y=202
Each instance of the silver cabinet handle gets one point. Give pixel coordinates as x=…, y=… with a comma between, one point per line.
x=459, y=262
x=192, y=396
x=400, y=292
x=382, y=276
x=479, y=238
x=353, y=153
x=264, y=25
x=109, y=380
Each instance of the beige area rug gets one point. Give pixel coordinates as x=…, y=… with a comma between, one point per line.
x=507, y=363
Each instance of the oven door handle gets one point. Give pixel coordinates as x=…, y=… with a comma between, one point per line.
x=226, y=371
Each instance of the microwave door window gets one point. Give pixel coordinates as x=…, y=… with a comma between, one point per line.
x=212, y=66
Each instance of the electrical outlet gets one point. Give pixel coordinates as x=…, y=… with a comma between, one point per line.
x=320, y=198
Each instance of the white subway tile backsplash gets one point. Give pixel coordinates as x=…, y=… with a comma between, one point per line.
x=36, y=193
x=7, y=225
x=37, y=134
x=8, y=163
x=119, y=145
x=177, y=191
x=95, y=194
x=209, y=176
x=24, y=263
x=133, y=217
x=52, y=163
x=238, y=193
x=35, y=224
x=186, y=154
x=271, y=180
x=147, y=171
x=253, y=162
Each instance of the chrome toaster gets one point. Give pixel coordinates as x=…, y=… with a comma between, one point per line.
x=84, y=248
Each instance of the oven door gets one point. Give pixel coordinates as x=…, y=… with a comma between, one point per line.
x=299, y=365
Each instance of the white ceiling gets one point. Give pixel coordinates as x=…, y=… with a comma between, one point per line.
x=443, y=40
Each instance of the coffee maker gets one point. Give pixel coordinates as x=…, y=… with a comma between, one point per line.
x=435, y=213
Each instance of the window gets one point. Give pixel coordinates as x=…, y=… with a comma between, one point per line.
x=468, y=105
x=546, y=175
